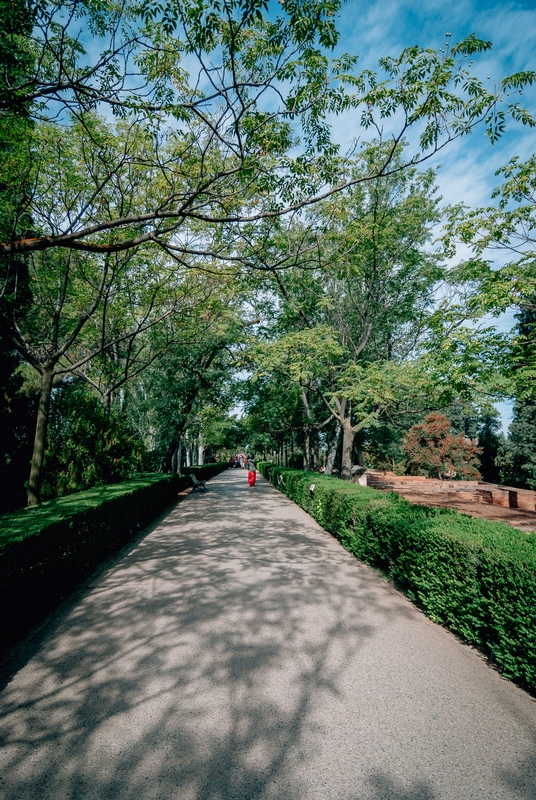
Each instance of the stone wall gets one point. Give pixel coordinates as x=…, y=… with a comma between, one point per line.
x=472, y=491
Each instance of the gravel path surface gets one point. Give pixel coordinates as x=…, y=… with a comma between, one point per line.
x=237, y=651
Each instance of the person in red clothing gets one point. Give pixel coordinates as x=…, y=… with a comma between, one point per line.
x=252, y=471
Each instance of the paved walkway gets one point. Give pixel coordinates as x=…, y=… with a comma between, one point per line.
x=239, y=652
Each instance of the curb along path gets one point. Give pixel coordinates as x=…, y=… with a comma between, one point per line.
x=239, y=652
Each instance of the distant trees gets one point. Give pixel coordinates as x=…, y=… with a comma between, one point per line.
x=508, y=227
x=86, y=444
x=130, y=186
x=353, y=314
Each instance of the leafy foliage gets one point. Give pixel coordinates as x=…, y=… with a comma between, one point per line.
x=356, y=313
x=432, y=450
x=111, y=227
x=517, y=456
x=86, y=446
x=46, y=551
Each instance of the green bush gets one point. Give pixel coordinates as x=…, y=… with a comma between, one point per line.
x=264, y=467
x=45, y=551
x=206, y=471
x=86, y=447
x=474, y=576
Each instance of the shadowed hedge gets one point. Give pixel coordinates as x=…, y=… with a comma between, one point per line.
x=45, y=551
x=474, y=576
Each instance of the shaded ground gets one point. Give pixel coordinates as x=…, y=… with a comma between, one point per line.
x=239, y=652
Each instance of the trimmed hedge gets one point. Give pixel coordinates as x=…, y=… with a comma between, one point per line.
x=206, y=471
x=474, y=576
x=45, y=551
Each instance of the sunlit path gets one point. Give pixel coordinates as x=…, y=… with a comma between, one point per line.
x=239, y=652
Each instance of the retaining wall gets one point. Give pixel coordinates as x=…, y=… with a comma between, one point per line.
x=471, y=491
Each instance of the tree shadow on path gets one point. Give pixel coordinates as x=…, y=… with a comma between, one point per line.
x=222, y=657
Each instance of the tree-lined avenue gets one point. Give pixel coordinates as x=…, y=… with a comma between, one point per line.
x=237, y=651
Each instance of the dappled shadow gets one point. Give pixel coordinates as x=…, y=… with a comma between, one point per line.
x=236, y=652
x=520, y=777
x=385, y=787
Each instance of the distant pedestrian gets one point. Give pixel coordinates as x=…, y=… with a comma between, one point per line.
x=252, y=471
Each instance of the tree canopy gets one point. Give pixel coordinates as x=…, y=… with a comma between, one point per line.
x=181, y=231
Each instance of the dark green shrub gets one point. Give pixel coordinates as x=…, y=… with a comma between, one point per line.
x=206, y=471
x=47, y=550
x=265, y=468
x=474, y=576
x=86, y=447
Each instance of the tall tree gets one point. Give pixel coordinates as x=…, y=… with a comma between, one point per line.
x=508, y=228
x=223, y=135
x=433, y=450
x=361, y=302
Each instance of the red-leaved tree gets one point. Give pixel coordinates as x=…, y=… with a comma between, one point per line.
x=432, y=450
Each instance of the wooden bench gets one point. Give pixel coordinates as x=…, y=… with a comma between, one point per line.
x=197, y=484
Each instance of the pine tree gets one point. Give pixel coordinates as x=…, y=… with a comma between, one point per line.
x=518, y=457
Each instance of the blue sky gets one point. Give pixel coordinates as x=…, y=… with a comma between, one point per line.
x=467, y=167
x=375, y=29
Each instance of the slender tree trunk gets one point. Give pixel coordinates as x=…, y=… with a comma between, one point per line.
x=200, y=452
x=332, y=452
x=174, y=460
x=348, y=436
x=41, y=426
x=107, y=400
x=167, y=461
x=307, y=456
x=316, y=453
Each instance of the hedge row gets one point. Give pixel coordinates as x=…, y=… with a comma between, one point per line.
x=474, y=576
x=205, y=472
x=45, y=551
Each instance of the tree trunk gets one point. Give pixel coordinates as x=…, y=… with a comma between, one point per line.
x=107, y=401
x=307, y=448
x=174, y=463
x=348, y=435
x=332, y=452
x=167, y=461
x=36, y=476
x=200, y=452
x=179, y=456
